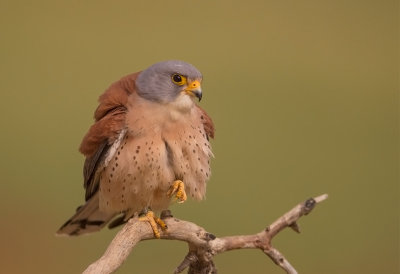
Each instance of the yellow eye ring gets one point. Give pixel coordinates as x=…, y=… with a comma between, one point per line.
x=178, y=79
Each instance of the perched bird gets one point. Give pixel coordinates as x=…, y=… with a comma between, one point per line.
x=149, y=143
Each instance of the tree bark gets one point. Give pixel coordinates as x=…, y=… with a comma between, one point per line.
x=203, y=246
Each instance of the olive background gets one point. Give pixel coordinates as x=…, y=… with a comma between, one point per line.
x=304, y=96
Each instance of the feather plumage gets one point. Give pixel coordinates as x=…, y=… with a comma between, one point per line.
x=105, y=139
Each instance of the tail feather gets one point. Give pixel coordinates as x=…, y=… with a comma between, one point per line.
x=87, y=219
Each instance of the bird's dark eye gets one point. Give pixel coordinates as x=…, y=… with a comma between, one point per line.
x=179, y=79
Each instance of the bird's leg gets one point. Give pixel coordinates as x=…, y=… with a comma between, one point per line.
x=178, y=190
x=148, y=216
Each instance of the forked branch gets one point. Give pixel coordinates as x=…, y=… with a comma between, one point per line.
x=203, y=246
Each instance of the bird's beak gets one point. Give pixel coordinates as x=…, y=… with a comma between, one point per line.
x=194, y=89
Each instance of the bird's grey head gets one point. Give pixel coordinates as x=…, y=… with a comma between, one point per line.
x=163, y=82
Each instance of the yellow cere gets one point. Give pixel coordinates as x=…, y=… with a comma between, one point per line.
x=194, y=85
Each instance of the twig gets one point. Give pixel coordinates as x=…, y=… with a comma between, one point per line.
x=203, y=246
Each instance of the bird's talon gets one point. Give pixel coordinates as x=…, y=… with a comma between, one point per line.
x=153, y=221
x=161, y=223
x=177, y=190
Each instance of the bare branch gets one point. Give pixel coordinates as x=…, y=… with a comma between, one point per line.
x=203, y=246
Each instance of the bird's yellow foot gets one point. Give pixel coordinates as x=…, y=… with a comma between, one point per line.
x=178, y=190
x=153, y=220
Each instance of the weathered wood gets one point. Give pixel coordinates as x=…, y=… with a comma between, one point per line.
x=203, y=246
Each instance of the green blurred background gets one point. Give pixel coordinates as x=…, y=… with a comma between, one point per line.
x=304, y=95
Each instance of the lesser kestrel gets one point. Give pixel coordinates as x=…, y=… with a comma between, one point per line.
x=149, y=142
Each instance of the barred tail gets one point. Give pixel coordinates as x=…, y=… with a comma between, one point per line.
x=87, y=219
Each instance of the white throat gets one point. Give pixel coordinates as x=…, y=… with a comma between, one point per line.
x=181, y=106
